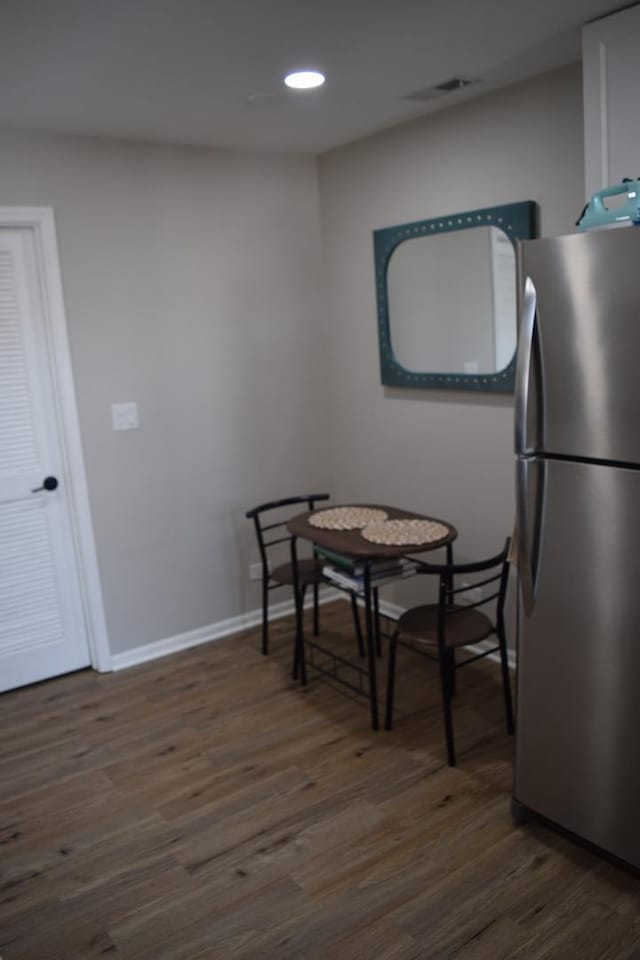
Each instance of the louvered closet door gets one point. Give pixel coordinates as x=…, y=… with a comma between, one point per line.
x=42, y=629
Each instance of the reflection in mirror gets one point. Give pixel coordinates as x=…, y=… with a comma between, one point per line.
x=452, y=297
x=446, y=292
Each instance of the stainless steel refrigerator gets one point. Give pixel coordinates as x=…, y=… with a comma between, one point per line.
x=578, y=534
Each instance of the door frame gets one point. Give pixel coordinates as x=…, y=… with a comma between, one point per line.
x=40, y=221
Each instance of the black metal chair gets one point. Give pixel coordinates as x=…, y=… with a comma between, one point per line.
x=270, y=534
x=453, y=622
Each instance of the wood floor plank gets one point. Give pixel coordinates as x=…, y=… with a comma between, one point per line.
x=205, y=807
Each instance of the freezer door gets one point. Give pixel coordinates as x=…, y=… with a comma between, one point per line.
x=578, y=705
x=584, y=346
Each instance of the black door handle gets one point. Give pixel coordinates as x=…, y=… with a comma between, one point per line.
x=49, y=483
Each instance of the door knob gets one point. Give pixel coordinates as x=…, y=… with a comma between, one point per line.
x=49, y=483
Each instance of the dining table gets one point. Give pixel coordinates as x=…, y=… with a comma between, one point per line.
x=354, y=549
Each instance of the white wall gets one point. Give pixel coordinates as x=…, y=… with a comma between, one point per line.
x=192, y=284
x=445, y=454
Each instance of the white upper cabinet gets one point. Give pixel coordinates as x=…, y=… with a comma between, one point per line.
x=611, y=66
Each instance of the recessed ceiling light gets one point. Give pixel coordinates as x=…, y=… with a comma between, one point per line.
x=304, y=79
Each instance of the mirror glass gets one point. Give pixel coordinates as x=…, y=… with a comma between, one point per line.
x=447, y=298
x=452, y=297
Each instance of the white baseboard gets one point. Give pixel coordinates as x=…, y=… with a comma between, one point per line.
x=224, y=628
x=209, y=633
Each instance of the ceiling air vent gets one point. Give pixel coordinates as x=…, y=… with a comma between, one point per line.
x=430, y=93
x=454, y=84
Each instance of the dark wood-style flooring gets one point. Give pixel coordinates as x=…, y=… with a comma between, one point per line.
x=203, y=806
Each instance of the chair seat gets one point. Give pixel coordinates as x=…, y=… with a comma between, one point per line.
x=309, y=571
x=468, y=626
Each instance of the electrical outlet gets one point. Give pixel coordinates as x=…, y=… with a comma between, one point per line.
x=255, y=571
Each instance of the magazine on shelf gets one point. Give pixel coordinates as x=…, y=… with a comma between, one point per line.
x=355, y=568
x=338, y=560
x=380, y=571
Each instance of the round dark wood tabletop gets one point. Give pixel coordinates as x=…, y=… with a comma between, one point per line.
x=351, y=543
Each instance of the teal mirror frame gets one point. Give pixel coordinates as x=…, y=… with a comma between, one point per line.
x=517, y=220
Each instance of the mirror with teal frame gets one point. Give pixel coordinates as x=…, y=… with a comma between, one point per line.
x=447, y=299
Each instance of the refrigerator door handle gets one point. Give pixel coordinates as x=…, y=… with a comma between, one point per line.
x=525, y=559
x=523, y=366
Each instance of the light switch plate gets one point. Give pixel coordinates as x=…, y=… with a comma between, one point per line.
x=124, y=416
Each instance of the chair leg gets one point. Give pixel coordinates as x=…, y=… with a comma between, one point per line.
x=294, y=669
x=451, y=665
x=316, y=616
x=298, y=597
x=356, y=623
x=296, y=650
x=303, y=591
x=299, y=665
x=506, y=683
x=391, y=678
x=376, y=609
x=265, y=617
x=445, y=682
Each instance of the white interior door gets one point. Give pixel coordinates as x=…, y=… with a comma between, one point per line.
x=42, y=626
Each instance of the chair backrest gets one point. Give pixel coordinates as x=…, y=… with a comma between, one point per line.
x=270, y=534
x=491, y=576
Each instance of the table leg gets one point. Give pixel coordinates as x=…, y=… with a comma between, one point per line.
x=371, y=647
x=298, y=656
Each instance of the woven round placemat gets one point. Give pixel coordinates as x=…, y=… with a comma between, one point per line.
x=405, y=533
x=346, y=518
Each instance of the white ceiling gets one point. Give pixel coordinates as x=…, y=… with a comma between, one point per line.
x=210, y=71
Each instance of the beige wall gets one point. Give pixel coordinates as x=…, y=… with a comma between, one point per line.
x=191, y=281
x=447, y=454
x=193, y=284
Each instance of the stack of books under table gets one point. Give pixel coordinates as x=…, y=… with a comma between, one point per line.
x=349, y=574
